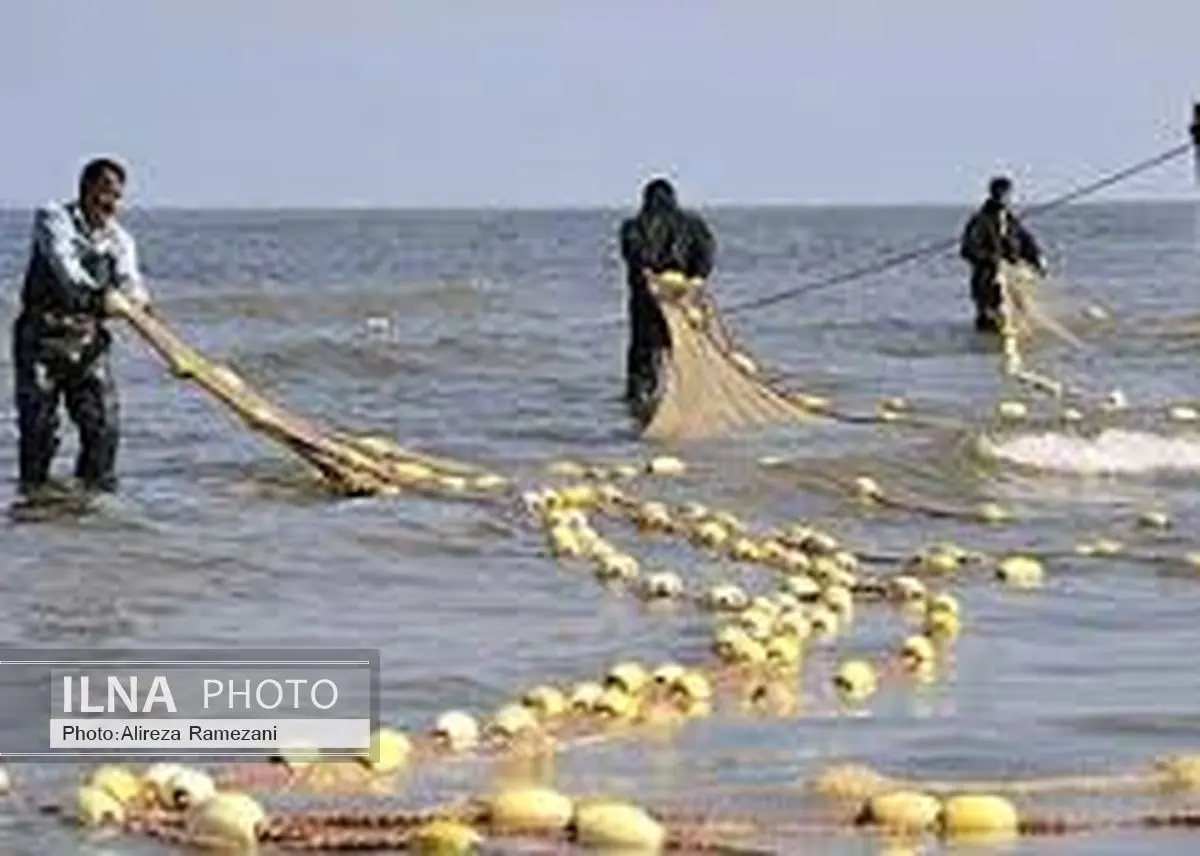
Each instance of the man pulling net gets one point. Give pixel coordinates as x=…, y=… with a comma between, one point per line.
x=83, y=270
x=1008, y=276
x=662, y=237
x=685, y=380
x=79, y=253
x=993, y=236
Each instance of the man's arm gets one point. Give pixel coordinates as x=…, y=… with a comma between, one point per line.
x=971, y=246
x=633, y=249
x=53, y=237
x=704, y=248
x=1027, y=245
x=127, y=272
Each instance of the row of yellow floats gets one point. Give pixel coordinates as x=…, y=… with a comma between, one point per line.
x=721, y=533
x=1014, y=410
x=758, y=640
x=184, y=806
x=766, y=633
x=809, y=556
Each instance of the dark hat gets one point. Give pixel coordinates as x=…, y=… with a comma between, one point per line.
x=999, y=186
x=658, y=193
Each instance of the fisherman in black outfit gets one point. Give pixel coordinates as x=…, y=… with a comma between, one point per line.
x=993, y=234
x=662, y=237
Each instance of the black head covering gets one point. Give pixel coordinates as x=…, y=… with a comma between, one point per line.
x=999, y=186
x=658, y=224
x=658, y=196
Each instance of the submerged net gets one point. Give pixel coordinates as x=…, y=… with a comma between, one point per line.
x=349, y=464
x=708, y=387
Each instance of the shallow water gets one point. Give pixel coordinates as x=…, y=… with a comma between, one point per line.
x=498, y=337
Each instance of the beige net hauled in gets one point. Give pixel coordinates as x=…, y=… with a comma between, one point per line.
x=347, y=463
x=708, y=387
x=1025, y=321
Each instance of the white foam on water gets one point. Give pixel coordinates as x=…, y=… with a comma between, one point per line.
x=1112, y=452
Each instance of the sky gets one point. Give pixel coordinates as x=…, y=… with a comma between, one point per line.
x=537, y=103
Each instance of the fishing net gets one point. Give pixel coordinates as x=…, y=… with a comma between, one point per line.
x=1033, y=305
x=1030, y=309
x=708, y=387
x=349, y=464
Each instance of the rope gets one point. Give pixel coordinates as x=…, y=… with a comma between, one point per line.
x=896, y=259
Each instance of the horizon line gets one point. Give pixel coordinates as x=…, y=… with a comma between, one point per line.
x=12, y=207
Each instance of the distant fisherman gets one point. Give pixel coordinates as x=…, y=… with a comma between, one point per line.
x=662, y=237
x=993, y=234
x=61, y=348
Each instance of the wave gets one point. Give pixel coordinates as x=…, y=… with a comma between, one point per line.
x=1114, y=451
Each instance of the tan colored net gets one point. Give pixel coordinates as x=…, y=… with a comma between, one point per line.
x=1027, y=304
x=348, y=463
x=708, y=387
x=1026, y=322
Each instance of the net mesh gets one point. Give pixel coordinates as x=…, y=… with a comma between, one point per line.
x=1031, y=305
x=347, y=463
x=708, y=387
x=1029, y=309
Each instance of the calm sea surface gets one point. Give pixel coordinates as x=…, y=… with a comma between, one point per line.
x=497, y=337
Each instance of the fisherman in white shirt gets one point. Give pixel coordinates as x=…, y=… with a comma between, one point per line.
x=79, y=254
